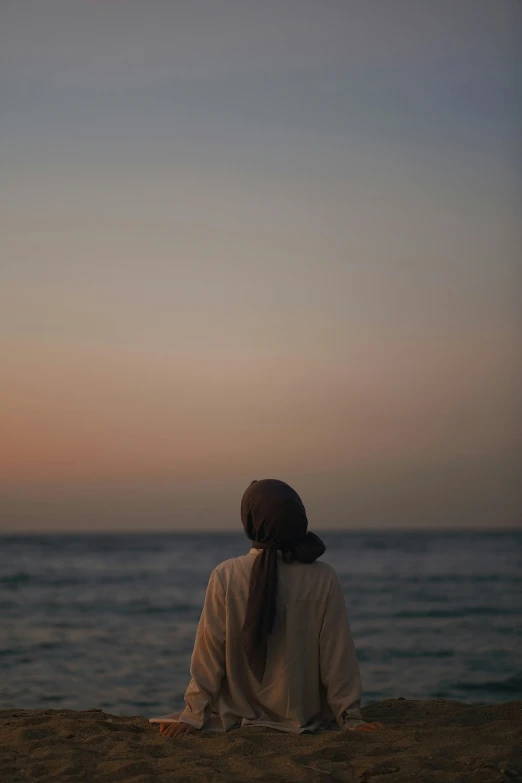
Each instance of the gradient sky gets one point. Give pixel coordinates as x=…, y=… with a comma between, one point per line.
x=259, y=239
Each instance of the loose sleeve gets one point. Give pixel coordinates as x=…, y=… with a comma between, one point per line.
x=338, y=661
x=207, y=665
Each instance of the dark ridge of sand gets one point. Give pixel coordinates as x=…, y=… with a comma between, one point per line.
x=424, y=741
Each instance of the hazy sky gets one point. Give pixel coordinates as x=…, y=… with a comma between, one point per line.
x=259, y=239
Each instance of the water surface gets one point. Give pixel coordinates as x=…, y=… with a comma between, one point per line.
x=109, y=620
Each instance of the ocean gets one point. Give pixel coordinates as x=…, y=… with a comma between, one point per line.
x=109, y=620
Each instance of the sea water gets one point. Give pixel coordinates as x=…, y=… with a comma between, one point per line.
x=109, y=620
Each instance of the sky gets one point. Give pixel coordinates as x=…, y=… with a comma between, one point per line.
x=247, y=240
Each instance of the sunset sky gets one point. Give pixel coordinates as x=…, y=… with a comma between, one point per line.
x=259, y=239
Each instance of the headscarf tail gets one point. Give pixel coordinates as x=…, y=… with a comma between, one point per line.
x=274, y=518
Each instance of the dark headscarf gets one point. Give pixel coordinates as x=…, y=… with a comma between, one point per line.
x=274, y=518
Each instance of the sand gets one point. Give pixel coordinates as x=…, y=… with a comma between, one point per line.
x=422, y=741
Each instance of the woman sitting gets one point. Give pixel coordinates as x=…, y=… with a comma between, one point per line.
x=273, y=645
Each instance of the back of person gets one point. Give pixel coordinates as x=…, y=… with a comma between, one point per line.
x=291, y=695
x=273, y=645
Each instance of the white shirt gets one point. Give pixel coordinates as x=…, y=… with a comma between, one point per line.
x=312, y=676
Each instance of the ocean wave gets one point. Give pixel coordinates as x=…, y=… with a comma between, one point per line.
x=512, y=685
x=466, y=611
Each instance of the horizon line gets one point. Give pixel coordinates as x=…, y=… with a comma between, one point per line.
x=431, y=529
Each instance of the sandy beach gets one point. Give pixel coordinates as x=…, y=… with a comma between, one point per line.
x=423, y=741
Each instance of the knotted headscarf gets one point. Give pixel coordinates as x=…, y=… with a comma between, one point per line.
x=274, y=518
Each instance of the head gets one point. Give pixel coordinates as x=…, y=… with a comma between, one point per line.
x=273, y=514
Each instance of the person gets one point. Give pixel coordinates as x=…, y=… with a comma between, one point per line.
x=273, y=645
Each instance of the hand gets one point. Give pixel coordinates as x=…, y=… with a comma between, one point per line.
x=369, y=726
x=176, y=729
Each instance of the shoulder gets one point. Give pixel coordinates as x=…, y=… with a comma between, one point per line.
x=325, y=568
x=330, y=572
x=233, y=564
x=320, y=569
x=322, y=575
